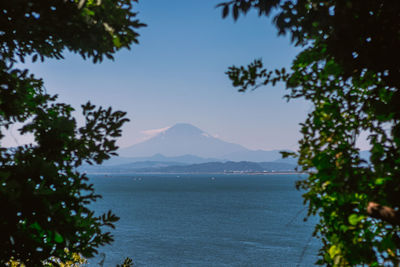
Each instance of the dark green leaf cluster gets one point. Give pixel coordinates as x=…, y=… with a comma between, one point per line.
x=349, y=70
x=341, y=183
x=254, y=76
x=42, y=28
x=44, y=199
x=238, y=7
x=358, y=34
x=128, y=262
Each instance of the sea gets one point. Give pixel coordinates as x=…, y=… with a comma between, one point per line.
x=206, y=220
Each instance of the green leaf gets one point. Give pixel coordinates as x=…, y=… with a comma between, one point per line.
x=354, y=219
x=333, y=251
x=36, y=226
x=58, y=238
x=116, y=41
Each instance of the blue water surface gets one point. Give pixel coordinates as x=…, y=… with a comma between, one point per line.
x=206, y=220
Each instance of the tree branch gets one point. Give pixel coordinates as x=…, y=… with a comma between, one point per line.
x=384, y=213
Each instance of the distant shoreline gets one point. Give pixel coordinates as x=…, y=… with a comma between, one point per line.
x=189, y=173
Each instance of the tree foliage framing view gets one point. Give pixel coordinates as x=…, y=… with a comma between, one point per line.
x=43, y=197
x=349, y=69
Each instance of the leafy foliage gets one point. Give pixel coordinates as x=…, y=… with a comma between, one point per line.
x=75, y=261
x=349, y=70
x=128, y=262
x=45, y=28
x=44, y=198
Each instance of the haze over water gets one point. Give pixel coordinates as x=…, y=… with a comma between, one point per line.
x=207, y=220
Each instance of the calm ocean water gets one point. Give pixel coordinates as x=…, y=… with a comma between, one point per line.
x=206, y=220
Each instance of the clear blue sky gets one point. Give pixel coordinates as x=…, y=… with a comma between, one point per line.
x=176, y=74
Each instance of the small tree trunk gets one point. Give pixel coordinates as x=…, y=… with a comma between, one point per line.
x=384, y=213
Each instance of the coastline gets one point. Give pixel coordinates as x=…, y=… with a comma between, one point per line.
x=194, y=173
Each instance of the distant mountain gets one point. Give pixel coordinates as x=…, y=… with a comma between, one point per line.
x=221, y=167
x=175, y=167
x=190, y=159
x=253, y=155
x=182, y=139
x=187, y=159
x=188, y=140
x=129, y=167
x=289, y=160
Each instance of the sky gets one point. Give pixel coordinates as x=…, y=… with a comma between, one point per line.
x=176, y=74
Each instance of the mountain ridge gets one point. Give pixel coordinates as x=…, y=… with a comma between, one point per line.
x=208, y=167
x=186, y=139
